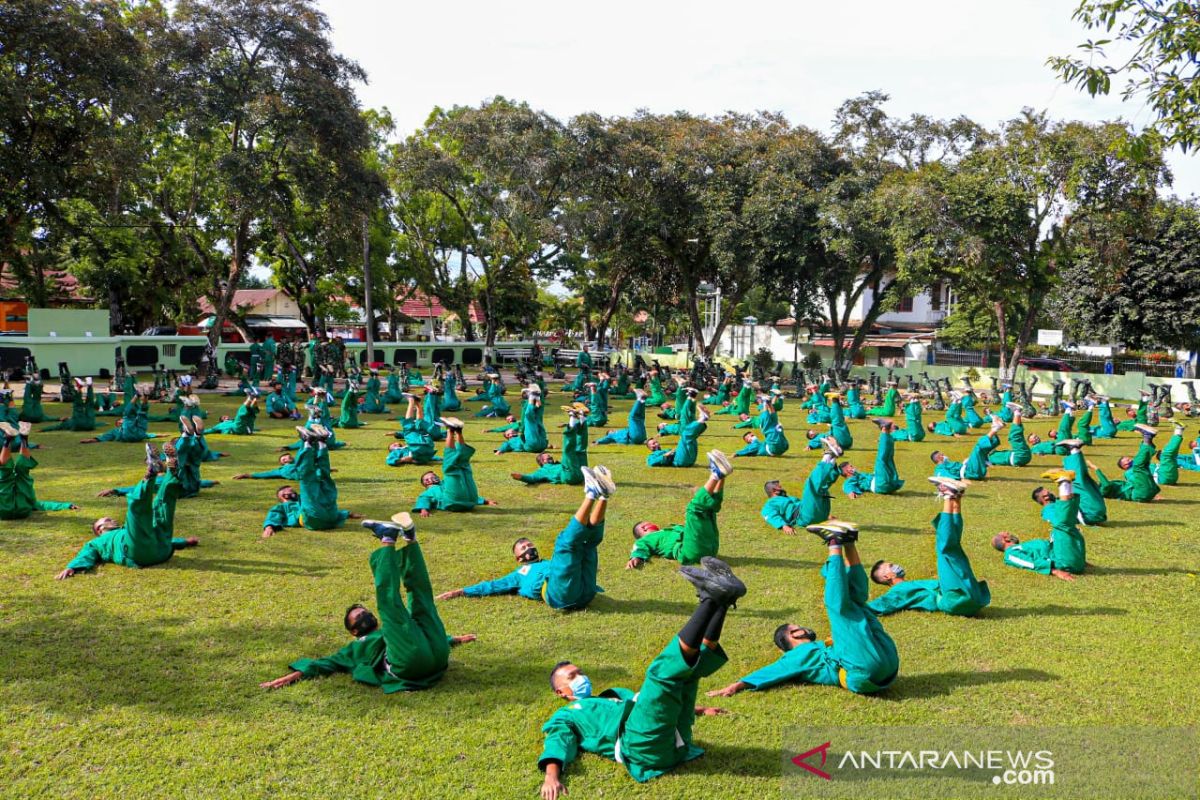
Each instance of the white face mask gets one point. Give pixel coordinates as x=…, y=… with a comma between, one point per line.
x=581, y=686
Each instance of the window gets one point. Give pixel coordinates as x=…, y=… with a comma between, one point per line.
x=906, y=305
x=935, y=297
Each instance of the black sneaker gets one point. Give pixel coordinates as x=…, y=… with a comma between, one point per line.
x=830, y=534
x=718, y=588
x=382, y=529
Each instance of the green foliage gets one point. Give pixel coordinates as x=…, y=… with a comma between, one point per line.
x=764, y=359
x=812, y=360
x=1156, y=45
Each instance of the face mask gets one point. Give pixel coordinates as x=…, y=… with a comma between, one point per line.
x=528, y=556
x=434, y=481
x=897, y=570
x=291, y=497
x=581, y=687
x=366, y=623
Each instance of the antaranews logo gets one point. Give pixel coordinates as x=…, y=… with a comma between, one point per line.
x=1009, y=767
x=802, y=761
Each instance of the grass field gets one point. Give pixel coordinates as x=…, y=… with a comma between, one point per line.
x=144, y=683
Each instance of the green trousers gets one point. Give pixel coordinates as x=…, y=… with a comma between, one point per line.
x=861, y=647
x=573, y=567
x=961, y=594
x=417, y=647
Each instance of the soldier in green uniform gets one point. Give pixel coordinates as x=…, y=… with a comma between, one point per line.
x=315, y=506
x=885, y=479
x=83, y=409
x=699, y=535
x=956, y=590
x=1137, y=485
x=242, y=423
x=574, y=453
x=1018, y=453
x=1064, y=554
x=648, y=732
x=861, y=657
x=786, y=513
x=635, y=429
x=147, y=538
x=18, y=500
x=456, y=490
x=567, y=581
x=409, y=649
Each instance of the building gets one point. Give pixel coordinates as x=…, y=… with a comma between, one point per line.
x=65, y=291
x=429, y=318
x=264, y=311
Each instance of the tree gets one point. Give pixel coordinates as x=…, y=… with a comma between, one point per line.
x=1158, y=41
x=999, y=223
x=72, y=76
x=1150, y=295
x=493, y=176
x=262, y=76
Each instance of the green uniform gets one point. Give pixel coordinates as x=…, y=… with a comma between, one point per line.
x=372, y=400
x=956, y=590
x=972, y=417
x=584, y=362
x=349, y=414
x=954, y=424
x=697, y=537
x=574, y=459
x=741, y=403
x=885, y=480
x=417, y=443
x=635, y=430
x=1167, y=471
x=1083, y=427
x=684, y=453
x=496, y=406
x=657, y=397
x=18, y=500
x=1141, y=416
x=854, y=406
x=1107, y=429
x=527, y=580
x=1091, y=499
x=132, y=427
x=31, y=404
x=285, y=472
x=1065, y=549
x=1018, y=454
x=888, y=408
x=598, y=406
x=242, y=423
x=450, y=400
x=83, y=414
x=1005, y=413
x=812, y=506
x=318, y=493
x=410, y=649
x=571, y=576
x=146, y=539
x=649, y=733
x=533, y=438
x=862, y=658
x=1138, y=485
x=914, y=428
x=457, y=491
x=976, y=466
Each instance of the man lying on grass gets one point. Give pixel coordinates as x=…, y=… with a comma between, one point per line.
x=410, y=649
x=648, y=732
x=955, y=591
x=1064, y=554
x=698, y=536
x=568, y=579
x=861, y=658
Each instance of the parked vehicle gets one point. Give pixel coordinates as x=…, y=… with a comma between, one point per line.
x=1047, y=363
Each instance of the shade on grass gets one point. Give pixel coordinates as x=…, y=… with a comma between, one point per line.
x=145, y=682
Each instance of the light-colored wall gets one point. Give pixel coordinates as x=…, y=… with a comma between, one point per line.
x=68, y=322
x=278, y=306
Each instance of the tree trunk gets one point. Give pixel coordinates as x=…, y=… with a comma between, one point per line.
x=1006, y=373
x=1026, y=326
x=233, y=278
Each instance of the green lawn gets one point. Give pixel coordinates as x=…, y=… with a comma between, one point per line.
x=144, y=683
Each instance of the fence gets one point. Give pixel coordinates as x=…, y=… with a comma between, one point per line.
x=1081, y=363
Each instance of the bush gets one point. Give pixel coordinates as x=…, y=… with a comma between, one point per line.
x=811, y=361
x=764, y=360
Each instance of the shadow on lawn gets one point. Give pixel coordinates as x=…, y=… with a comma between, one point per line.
x=605, y=605
x=991, y=612
x=1093, y=570
x=245, y=566
x=932, y=684
x=762, y=561
x=726, y=759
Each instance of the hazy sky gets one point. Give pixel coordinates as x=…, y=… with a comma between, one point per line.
x=982, y=59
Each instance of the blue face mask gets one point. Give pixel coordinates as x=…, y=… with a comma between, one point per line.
x=898, y=570
x=581, y=687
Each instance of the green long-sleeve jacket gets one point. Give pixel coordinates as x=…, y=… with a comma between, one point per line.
x=592, y=726
x=363, y=658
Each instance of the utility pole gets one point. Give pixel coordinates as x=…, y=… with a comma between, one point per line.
x=366, y=241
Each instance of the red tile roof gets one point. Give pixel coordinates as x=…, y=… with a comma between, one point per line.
x=242, y=298
x=420, y=306
x=64, y=287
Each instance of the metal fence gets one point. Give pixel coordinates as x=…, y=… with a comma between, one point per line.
x=1097, y=365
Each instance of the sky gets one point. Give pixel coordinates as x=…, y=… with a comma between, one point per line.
x=985, y=60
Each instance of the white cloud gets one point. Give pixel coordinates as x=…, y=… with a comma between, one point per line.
x=982, y=59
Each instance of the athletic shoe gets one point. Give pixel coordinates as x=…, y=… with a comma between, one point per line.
x=581, y=408
x=1070, y=443
x=1059, y=474
x=153, y=463
x=831, y=444
x=1145, y=430
x=198, y=424
x=948, y=487
x=305, y=434
x=1014, y=406
x=604, y=480
x=830, y=534
x=591, y=486
x=407, y=527
x=8, y=430
x=453, y=423
x=26, y=428
x=721, y=586
x=880, y=422
x=719, y=463
x=702, y=414
x=832, y=395
x=1067, y=405
x=382, y=529
x=185, y=422
x=319, y=432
